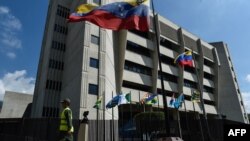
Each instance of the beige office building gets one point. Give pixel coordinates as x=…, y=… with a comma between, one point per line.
x=82, y=61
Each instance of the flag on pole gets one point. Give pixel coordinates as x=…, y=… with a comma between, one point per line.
x=149, y=99
x=184, y=59
x=118, y=100
x=124, y=99
x=172, y=100
x=195, y=97
x=178, y=102
x=132, y=14
x=98, y=103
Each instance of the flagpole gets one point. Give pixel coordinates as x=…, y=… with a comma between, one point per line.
x=113, y=136
x=131, y=116
x=198, y=118
x=162, y=82
x=179, y=124
x=97, y=121
x=104, y=124
x=201, y=97
x=185, y=108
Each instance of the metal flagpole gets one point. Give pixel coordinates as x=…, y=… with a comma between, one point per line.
x=103, y=98
x=201, y=96
x=112, y=128
x=198, y=118
x=162, y=82
x=131, y=115
x=185, y=108
x=179, y=124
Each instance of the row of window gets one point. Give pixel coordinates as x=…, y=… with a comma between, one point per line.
x=56, y=64
x=167, y=77
x=137, y=68
x=167, y=60
x=208, y=89
x=190, y=84
x=62, y=11
x=58, y=46
x=208, y=63
x=50, y=112
x=167, y=44
x=140, y=33
x=61, y=29
x=54, y=85
x=138, y=49
x=208, y=76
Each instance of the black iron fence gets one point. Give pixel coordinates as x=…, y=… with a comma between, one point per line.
x=46, y=129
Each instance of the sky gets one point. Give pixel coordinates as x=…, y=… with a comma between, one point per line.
x=22, y=25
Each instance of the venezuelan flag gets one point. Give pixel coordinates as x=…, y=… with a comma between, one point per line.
x=185, y=59
x=115, y=16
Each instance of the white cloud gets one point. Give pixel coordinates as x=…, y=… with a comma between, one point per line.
x=11, y=55
x=10, y=26
x=246, y=98
x=18, y=82
x=4, y=10
x=248, y=78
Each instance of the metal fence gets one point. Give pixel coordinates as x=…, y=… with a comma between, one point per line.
x=46, y=129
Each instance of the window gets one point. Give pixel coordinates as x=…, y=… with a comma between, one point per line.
x=238, y=90
x=208, y=63
x=58, y=46
x=167, y=44
x=208, y=76
x=140, y=33
x=167, y=60
x=61, y=29
x=138, y=49
x=94, y=63
x=56, y=64
x=53, y=85
x=95, y=39
x=190, y=84
x=132, y=85
x=96, y=1
x=137, y=68
x=93, y=89
x=167, y=77
x=190, y=69
x=62, y=11
x=208, y=89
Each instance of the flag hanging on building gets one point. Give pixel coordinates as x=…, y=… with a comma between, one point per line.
x=98, y=103
x=195, y=97
x=131, y=14
x=185, y=59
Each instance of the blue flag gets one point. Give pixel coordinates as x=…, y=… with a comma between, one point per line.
x=178, y=102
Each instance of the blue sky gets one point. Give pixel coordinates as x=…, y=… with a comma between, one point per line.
x=22, y=24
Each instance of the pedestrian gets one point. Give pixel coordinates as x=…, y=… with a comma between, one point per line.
x=66, y=128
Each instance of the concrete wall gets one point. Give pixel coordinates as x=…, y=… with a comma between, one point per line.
x=230, y=99
x=15, y=104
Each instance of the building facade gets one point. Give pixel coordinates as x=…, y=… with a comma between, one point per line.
x=82, y=61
